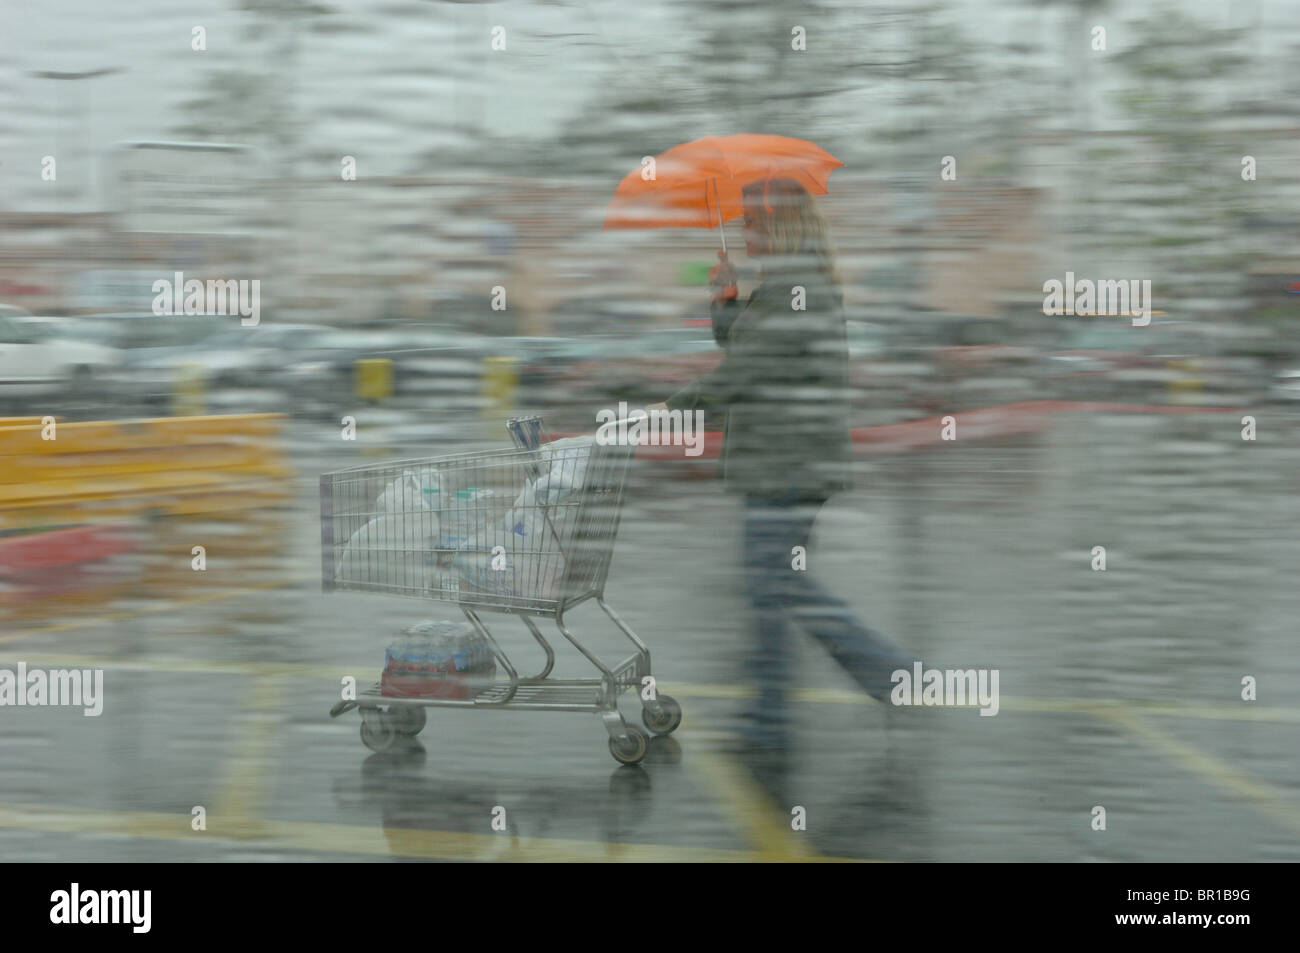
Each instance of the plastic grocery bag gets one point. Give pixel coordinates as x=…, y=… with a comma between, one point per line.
x=395, y=547
x=547, y=499
x=523, y=556
x=389, y=550
x=526, y=519
x=566, y=464
x=402, y=495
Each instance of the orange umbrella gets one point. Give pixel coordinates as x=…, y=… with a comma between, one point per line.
x=698, y=184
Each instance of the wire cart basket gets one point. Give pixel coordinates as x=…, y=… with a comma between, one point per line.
x=527, y=531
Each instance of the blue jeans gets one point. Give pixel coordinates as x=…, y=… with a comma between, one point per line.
x=779, y=594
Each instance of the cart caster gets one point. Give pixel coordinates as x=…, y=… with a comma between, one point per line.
x=666, y=719
x=408, y=720
x=378, y=736
x=632, y=749
x=378, y=730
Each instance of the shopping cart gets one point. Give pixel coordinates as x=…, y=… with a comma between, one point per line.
x=527, y=531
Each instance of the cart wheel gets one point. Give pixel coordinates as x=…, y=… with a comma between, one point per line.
x=378, y=734
x=665, y=722
x=408, y=720
x=632, y=749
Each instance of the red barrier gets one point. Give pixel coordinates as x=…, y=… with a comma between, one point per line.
x=1000, y=420
x=60, y=547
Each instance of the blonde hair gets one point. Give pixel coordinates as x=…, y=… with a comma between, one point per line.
x=787, y=214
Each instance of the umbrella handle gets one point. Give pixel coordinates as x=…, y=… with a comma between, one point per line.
x=721, y=233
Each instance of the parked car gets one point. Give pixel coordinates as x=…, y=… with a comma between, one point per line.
x=439, y=361
x=153, y=346
x=640, y=368
x=1286, y=385
x=545, y=363
x=1119, y=360
x=321, y=376
x=598, y=315
x=243, y=356
x=38, y=354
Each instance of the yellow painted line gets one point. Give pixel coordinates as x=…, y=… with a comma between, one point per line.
x=349, y=839
x=250, y=772
x=1247, y=711
x=1260, y=794
x=765, y=824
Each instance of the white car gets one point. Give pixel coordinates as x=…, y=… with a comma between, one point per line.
x=38, y=353
x=234, y=356
x=1286, y=385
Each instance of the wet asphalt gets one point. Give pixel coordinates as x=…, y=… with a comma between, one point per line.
x=1119, y=689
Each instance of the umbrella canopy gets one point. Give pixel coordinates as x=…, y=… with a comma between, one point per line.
x=698, y=184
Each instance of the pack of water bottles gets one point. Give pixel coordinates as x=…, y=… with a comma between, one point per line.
x=436, y=659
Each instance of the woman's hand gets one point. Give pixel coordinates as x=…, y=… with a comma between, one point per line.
x=722, y=279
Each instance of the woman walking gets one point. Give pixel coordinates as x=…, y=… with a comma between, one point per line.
x=783, y=387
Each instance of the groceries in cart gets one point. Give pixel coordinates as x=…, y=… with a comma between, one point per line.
x=381, y=549
x=427, y=535
x=410, y=492
x=524, y=552
x=434, y=659
x=563, y=466
x=461, y=517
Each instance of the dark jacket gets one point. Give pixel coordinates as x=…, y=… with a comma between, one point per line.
x=782, y=388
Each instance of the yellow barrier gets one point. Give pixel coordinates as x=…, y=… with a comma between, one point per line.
x=110, y=469
x=222, y=481
x=129, y=435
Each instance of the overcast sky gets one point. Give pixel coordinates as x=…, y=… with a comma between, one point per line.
x=381, y=78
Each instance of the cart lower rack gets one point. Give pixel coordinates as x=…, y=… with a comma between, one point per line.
x=528, y=531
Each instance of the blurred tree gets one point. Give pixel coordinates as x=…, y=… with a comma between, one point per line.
x=1183, y=79
x=257, y=106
